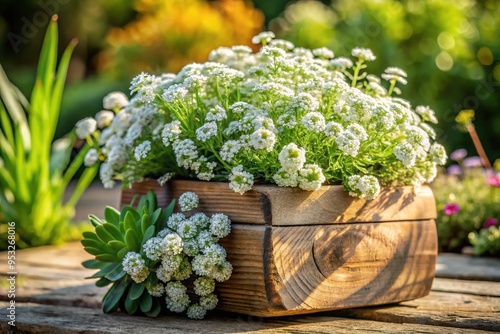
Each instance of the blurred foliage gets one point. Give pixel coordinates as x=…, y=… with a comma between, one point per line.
x=450, y=50
x=486, y=241
x=477, y=202
x=166, y=35
x=35, y=173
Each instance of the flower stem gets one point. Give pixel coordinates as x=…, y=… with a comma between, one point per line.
x=478, y=145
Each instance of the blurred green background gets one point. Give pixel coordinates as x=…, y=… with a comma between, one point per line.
x=450, y=49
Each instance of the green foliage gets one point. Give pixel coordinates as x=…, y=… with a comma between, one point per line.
x=115, y=236
x=477, y=202
x=33, y=174
x=486, y=241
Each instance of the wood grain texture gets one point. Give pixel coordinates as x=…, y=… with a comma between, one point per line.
x=438, y=309
x=303, y=269
x=277, y=206
x=37, y=319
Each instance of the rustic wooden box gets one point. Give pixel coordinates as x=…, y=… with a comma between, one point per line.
x=296, y=252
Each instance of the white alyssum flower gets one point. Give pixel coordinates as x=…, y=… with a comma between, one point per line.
x=171, y=132
x=239, y=180
x=333, y=129
x=188, y=201
x=348, y=142
x=284, y=178
x=222, y=271
x=358, y=131
x=156, y=290
x=229, y=149
x=263, y=139
x=427, y=114
x=220, y=225
x=418, y=137
x=292, y=158
x=142, y=150
x=314, y=121
x=153, y=248
x=206, y=131
x=172, y=244
x=363, y=54
x=341, y=63
x=438, y=154
x=204, y=285
x=121, y=122
x=185, y=152
x=104, y=118
x=174, y=220
x=216, y=114
x=209, y=302
x=115, y=101
x=311, y=177
x=91, y=157
x=177, y=298
x=406, y=154
x=263, y=38
x=366, y=186
x=196, y=311
x=106, y=175
x=187, y=229
x=135, y=266
x=162, y=180
x=85, y=127
x=323, y=53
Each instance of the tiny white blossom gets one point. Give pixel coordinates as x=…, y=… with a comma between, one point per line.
x=284, y=178
x=115, y=101
x=142, y=150
x=157, y=290
x=220, y=225
x=406, y=154
x=427, y=114
x=222, y=271
x=171, y=132
x=366, y=186
x=104, y=118
x=363, y=53
x=341, y=62
x=216, y=114
x=333, y=129
x=135, y=266
x=323, y=53
x=153, y=248
x=209, y=302
x=196, y=311
x=314, y=121
x=358, y=130
x=162, y=180
x=240, y=181
x=172, y=244
x=204, y=286
x=188, y=201
x=263, y=38
x=263, y=139
x=311, y=177
x=85, y=127
x=185, y=153
x=438, y=154
x=229, y=149
x=292, y=158
x=91, y=157
x=348, y=142
x=206, y=131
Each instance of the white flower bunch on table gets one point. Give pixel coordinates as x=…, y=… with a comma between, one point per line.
x=284, y=115
x=186, y=247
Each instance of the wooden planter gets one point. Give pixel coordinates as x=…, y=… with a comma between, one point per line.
x=295, y=251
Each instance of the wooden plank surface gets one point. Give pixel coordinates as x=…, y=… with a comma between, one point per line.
x=51, y=293
x=33, y=318
x=459, y=266
x=272, y=205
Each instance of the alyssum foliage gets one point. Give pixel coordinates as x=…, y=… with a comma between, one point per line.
x=33, y=171
x=147, y=253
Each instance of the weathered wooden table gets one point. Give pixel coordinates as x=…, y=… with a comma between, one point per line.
x=52, y=296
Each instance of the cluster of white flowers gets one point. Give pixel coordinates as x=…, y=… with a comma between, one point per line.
x=187, y=246
x=286, y=115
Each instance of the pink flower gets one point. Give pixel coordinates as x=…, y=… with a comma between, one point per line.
x=454, y=170
x=472, y=162
x=458, y=155
x=490, y=222
x=494, y=180
x=451, y=208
